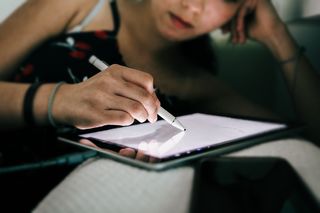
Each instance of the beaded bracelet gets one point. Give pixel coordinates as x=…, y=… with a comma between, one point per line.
x=296, y=57
x=50, y=103
x=28, y=103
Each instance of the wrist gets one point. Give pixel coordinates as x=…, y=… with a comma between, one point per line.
x=281, y=43
x=53, y=120
x=42, y=100
x=61, y=109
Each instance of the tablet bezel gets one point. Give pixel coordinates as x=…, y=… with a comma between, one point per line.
x=72, y=137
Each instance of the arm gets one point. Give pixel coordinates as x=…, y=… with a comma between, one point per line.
x=301, y=78
x=24, y=30
x=114, y=97
x=304, y=85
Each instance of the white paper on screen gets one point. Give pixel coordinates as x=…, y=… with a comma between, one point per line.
x=162, y=140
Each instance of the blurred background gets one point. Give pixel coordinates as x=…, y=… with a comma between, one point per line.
x=252, y=70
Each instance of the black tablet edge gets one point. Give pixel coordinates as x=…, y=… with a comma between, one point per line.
x=216, y=151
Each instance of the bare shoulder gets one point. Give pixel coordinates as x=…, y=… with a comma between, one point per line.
x=59, y=6
x=32, y=23
x=60, y=12
x=102, y=20
x=70, y=13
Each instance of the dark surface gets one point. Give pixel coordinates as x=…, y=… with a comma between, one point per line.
x=21, y=191
x=250, y=184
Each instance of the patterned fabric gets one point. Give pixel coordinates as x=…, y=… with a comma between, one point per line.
x=65, y=57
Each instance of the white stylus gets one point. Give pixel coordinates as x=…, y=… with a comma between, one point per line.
x=161, y=112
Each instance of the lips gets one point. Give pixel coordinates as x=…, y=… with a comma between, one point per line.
x=179, y=22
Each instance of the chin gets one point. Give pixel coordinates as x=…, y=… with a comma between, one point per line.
x=176, y=37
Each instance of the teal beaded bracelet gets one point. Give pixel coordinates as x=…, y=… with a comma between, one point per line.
x=50, y=103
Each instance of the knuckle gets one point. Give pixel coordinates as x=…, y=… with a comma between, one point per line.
x=149, y=99
x=136, y=108
x=119, y=70
x=115, y=70
x=150, y=102
x=114, y=67
x=145, y=96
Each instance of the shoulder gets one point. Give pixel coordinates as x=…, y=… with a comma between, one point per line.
x=57, y=5
x=58, y=11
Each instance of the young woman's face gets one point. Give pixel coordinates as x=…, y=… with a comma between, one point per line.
x=178, y=20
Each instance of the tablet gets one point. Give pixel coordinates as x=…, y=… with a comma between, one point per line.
x=159, y=145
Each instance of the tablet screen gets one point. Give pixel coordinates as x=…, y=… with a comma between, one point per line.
x=161, y=141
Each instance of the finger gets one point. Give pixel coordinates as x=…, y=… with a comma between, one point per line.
x=141, y=156
x=240, y=24
x=133, y=107
x=153, y=118
x=117, y=117
x=128, y=152
x=148, y=100
x=87, y=143
x=105, y=117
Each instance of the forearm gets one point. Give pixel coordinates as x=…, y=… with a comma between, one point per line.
x=11, y=107
x=301, y=78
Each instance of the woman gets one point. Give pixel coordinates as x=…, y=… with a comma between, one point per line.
x=50, y=41
x=146, y=41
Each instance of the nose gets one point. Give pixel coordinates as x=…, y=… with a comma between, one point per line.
x=195, y=6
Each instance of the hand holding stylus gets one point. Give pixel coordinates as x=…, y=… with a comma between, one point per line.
x=161, y=112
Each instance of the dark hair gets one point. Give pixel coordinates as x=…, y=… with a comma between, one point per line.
x=200, y=52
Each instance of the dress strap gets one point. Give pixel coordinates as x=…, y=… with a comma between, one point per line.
x=89, y=17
